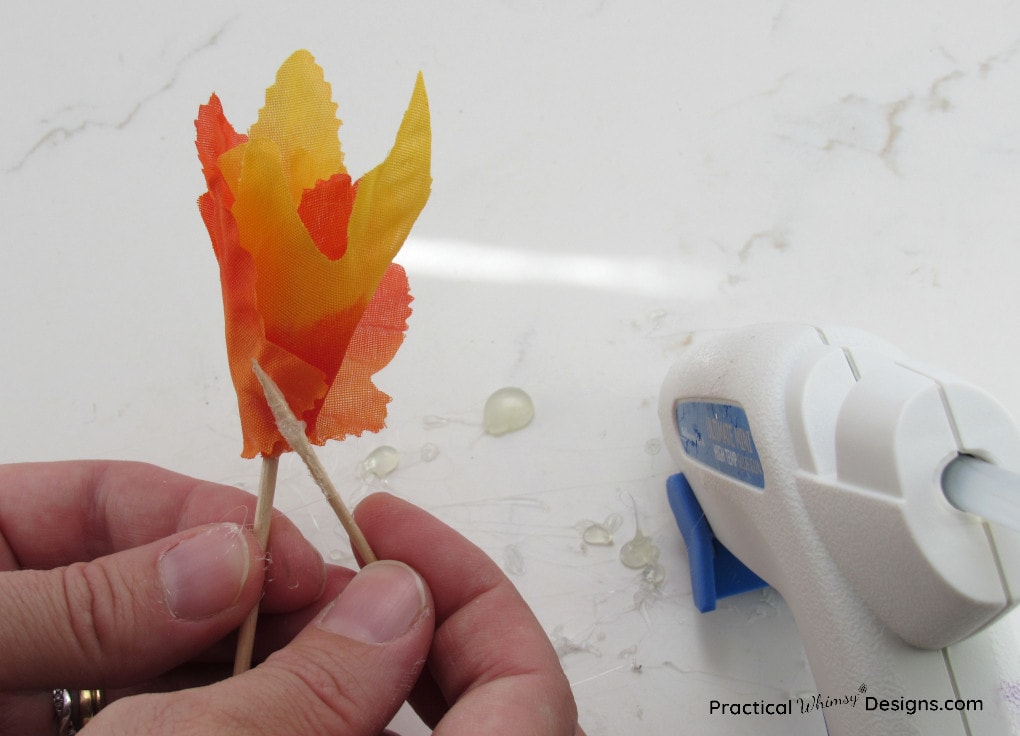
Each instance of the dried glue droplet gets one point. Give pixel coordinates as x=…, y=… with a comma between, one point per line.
x=513, y=560
x=597, y=534
x=429, y=452
x=508, y=410
x=639, y=552
x=654, y=574
x=613, y=522
x=380, y=462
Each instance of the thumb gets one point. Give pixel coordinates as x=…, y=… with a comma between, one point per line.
x=347, y=673
x=108, y=621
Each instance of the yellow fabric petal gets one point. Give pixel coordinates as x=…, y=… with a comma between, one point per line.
x=297, y=286
x=391, y=195
x=300, y=117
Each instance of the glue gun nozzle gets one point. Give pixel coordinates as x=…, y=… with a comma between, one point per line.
x=983, y=488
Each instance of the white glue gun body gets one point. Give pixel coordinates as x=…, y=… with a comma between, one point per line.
x=816, y=456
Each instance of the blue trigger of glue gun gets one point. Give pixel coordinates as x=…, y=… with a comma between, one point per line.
x=715, y=571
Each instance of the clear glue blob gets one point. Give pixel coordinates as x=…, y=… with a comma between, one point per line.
x=513, y=560
x=640, y=551
x=600, y=535
x=507, y=410
x=597, y=534
x=654, y=574
x=380, y=462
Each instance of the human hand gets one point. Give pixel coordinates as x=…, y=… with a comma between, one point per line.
x=103, y=600
x=129, y=578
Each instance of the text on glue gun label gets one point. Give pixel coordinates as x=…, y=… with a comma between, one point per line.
x=719, y=436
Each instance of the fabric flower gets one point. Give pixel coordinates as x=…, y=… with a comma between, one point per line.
x=305, y=254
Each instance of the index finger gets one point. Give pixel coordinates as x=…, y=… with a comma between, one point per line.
x=56, y=513
x=491, y=659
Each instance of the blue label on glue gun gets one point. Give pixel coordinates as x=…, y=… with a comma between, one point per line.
x=719, y=436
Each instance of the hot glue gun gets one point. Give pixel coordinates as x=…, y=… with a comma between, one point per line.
x=879, y=497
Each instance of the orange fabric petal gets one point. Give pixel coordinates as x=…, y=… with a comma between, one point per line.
x=353, y=403
x=321, y=310
x=325, y=210
x=215, y=136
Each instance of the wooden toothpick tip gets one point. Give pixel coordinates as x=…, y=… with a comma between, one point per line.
x=293, y=430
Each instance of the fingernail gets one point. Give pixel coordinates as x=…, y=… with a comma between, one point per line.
x=204, y=574
x=382, y=602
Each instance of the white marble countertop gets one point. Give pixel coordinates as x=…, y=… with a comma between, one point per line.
x=609, y=178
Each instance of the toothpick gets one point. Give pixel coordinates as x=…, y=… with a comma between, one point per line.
x=293, y=430
x=263, y=517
